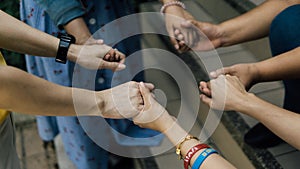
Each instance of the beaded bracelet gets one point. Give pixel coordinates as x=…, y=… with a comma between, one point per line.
x=202, y=157
x=192, y=152
x=172, y=3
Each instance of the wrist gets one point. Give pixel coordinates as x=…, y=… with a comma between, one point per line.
x=87, y=102
x=246, y=103
x=63, y=48
x=73, y=52
x=255, y=73
x=105, y=107
x=167, y=121
x=78, y=28
x=221, y=31
x=173, y=9
x=177, y=6
x=82, y=39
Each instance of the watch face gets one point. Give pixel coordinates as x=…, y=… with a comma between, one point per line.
x=64, y=44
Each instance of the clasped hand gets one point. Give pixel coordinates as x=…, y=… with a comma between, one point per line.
x=135, y=100
x=196, y=35
x=97, y=56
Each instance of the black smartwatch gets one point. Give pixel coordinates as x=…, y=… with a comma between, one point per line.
x=65, y=41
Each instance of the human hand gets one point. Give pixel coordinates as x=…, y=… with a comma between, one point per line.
x=153, y=115
x=91, y=41
x=174, y=17
x=203, y=29
x=123, y=101
x=225, y=92
x=111, y=55
x=96, y=57
x=247, y=73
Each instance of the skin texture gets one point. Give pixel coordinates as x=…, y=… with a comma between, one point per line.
x=175, y=15
x=239, y=29
x=267, y=70
x=78, y=28
x=22, y=92
x=237, y=98
x=278, y=120
x=36, y=96
x=155, y=117
x=19, y=37
x=246, y=75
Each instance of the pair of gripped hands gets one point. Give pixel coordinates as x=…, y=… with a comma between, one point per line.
x=136, y=100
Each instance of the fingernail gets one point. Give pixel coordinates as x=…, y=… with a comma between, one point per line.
x=100, y=41
x=121, y=67
x=176, y=46
x=213, y=74
x=143, y=84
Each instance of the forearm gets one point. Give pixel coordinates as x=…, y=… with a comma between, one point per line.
x=282, y=122
x=252, y=25
x=17, y=36
x=272, y=69
x=25, y=93
x=177, y=134
x=79, y=29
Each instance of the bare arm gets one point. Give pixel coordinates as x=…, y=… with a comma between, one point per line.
x=254, y=24
x=275, y=118
x=19, y=37
x=78, y=28
x=268, y=70
x=283, y=123
x=284, y=66
x=176, y=134
x=175, y=15
x=22, y=92
x=155, y=117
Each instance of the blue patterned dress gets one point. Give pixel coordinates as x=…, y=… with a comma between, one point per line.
x=48, y=16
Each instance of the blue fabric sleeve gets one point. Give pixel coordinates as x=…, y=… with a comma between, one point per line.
x=62, y=11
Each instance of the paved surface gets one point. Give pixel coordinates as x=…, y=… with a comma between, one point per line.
x=33, y=153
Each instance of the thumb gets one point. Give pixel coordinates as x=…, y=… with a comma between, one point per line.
x=206, y=100
x=190, y=23
x=93, y=41
x=115, y=66
x=222, y=71
x=146, y=94
x=173, y=40
x=106, y=49
x=150, y=86
x=100, y=41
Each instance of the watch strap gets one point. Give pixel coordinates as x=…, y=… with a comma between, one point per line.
x=64, y=44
